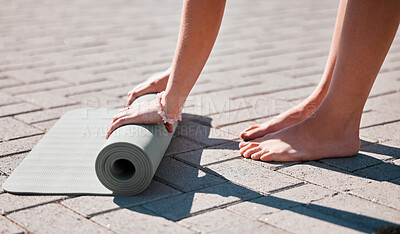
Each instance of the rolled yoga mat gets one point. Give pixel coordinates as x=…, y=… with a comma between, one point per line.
x=74, y=157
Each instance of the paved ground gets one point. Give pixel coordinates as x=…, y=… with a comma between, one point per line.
x=61, y=55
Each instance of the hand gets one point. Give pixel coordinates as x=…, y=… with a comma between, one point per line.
x=141, y=113
x=155, y=84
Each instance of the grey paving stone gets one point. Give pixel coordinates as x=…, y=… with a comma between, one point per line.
x=303, y=220
x=46, y=99
x=84, y=88
x=11, y=129
x=25, y=75
x=237, y=128
x=253, y=176
x=75, y=77
x=381, y=172
x=383, y=132
x=2, y=179
x=30, y=88
x=223, y=221
x=385, y=193
x=366, y=214
x=373, y=118
x=183, y=176
x=97, y=100
x=285, y=199
x=6, y=226
x=44, y=115
x=203, y=134
x=6, y=82
x=361, y=160
x=140, y=220
x=6, y=99
x=11, y=203
x=18, y=146
x=18, y=108
x=9, y=163
x=210, y=155
x=179, y=144
x=94, y=205
x=326, y=176
x=380, y=103
x=181, y=206
x=383, y=151
x=46, y=125
x=56, y=219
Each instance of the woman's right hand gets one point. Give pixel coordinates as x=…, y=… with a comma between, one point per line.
x=155, y=84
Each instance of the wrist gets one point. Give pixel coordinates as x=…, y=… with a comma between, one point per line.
x=172, y=104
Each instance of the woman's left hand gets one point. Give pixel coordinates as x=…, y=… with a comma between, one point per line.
x=141, y=113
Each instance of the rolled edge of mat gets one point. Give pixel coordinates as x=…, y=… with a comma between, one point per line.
x=124, y=168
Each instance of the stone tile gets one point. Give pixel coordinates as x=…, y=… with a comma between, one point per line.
x=382, y=151
x=93, y=205
x=6, y=99
x=2, y=179
x=223, y=221
x=46, y=99
x=25, y=75
x=373, y=118
x=179, y=144
x=253, y=176
x=183, y=176
x=385, y=193
x=285, y=199
x=6, y=82
x=18, y=108
x=18, y=146
x=203, y=134
x=44, y=115
x=383, y=132
x=311, y=221
x=11, y=129
x=55, y=218
x=381, y=103
x=9, y=163
x=366, y=214
x=381, y=172
x=75, y=76
x=326, y=176
x=46, y=125
x=181, y=206
x=30, y=88
x=6, y=226
x=140, y=220
x=237, y=128
x=84, y=88
x=210, y=155
x=11, y=203
x=357, y=162
x=97, y=100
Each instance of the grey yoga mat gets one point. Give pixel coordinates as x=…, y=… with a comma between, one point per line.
x=73, y=157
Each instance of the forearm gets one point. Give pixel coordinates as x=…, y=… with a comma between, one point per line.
x=201, y=20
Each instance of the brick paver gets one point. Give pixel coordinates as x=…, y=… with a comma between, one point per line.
x=62, y=55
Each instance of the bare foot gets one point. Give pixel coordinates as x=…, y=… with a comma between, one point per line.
x=311, y=139
x=156, y=83
x=284, y=120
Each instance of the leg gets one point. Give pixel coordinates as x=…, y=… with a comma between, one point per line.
x=309, y=105
x=368, y=30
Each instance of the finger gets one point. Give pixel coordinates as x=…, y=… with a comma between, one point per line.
x=169, y=127
x=115, y=125
x=131, y=98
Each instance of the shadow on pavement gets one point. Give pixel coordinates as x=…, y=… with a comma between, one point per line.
x=180, y=206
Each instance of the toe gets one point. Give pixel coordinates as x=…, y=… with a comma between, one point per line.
x=246, y=134
x=256, y=156
x=267, y=157
x=251, y=151
x=247, y=147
